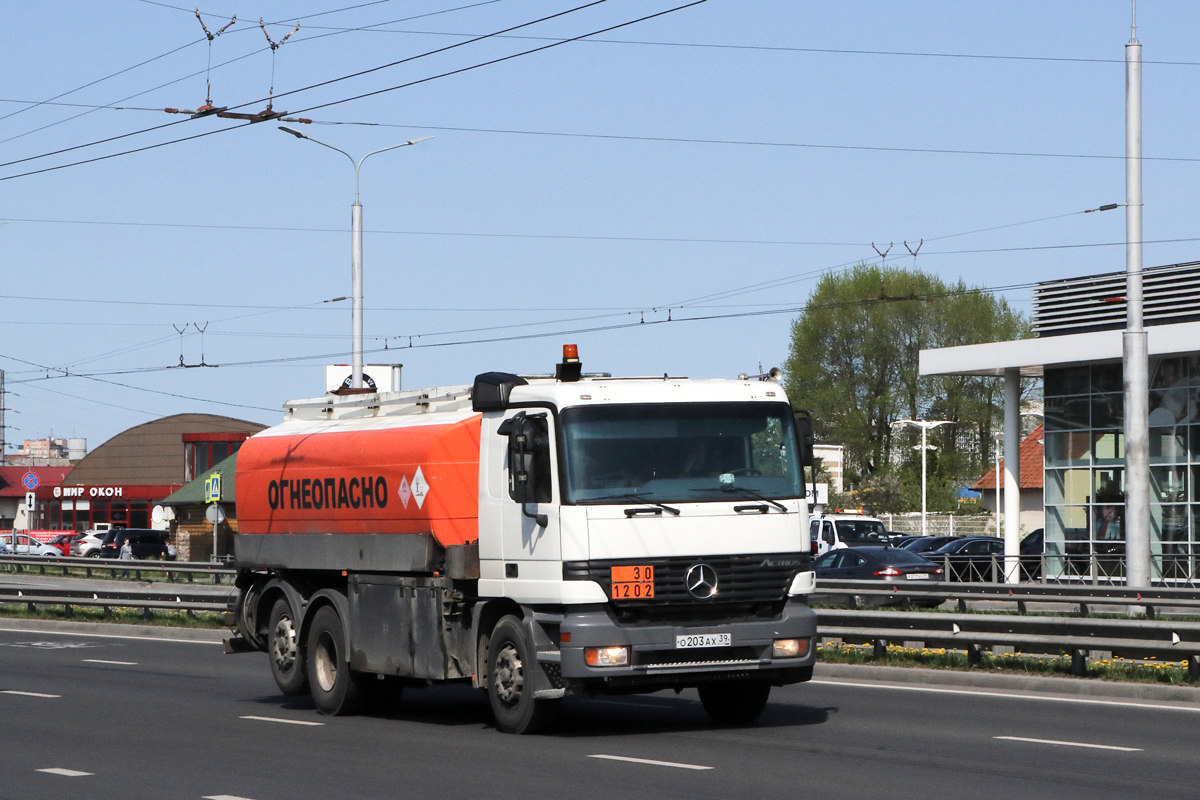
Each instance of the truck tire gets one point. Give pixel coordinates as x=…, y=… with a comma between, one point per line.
x=283, y=647
x=735, y=702
x=510, y=690
x=336, y=690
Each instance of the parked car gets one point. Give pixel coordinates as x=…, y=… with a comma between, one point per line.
x=890, y=564
x=26, y=545
x=971, y=558
x=87, y=544
x=147, y=544
x=926, y=544
x=1033, y=546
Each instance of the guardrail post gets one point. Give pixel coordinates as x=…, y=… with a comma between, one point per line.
x=189, y=577
x=879, y=651
x=946, y=568
x=1078, y=663
x=1021, y=608
x=974, y=655
x=89, y=571
x=1083, y=609
x=68, y=610
x=962, y=605
x=1193, y=663
x=994, y=569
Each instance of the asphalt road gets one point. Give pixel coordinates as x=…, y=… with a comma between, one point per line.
x=171, y=719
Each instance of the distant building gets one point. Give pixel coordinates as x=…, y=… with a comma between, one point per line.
x=833, y=461
x=44, y=448
x=1033, y=508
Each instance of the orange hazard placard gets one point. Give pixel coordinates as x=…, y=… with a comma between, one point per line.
x=633, y=583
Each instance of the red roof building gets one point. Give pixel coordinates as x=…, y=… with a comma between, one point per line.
x=1031, y=479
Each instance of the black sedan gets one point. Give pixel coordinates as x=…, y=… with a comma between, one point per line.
x=924, y=544
x=972, y=558
x=891, y=564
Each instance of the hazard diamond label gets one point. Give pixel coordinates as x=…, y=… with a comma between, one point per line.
x=405, y=492
x=419, y=488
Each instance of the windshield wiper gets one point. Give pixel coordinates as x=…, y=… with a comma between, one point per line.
x=729, y=487
x=638, y=498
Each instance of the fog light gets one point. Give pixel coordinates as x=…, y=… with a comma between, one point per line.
x=790, y=648
x=606, y=656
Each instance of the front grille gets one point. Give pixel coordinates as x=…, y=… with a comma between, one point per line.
x=699, y=655
x=741, y=579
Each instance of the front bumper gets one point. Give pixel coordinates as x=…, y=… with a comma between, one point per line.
x=655, y=660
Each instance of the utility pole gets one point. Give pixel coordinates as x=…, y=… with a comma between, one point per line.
x=1136, y=368
x=3, y=429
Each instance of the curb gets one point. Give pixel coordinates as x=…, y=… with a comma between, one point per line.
x=114, y=629
x=1061, y=685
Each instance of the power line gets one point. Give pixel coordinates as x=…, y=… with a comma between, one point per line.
x=260, y=100
x=751, y=142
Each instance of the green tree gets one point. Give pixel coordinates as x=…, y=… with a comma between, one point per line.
x=854, y=363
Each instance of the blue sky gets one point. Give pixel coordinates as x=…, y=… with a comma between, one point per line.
x=503, y=226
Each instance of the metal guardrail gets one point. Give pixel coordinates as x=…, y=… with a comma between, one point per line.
x=113, y=565
x=1078, y=636
x=145, y=599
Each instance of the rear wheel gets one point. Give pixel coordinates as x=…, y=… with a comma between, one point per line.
x=735, y=702
x=336, y=690
x=510, y=685
x=287, y=662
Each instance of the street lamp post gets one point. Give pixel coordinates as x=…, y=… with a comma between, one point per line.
x=356, y=235
x=924, y=425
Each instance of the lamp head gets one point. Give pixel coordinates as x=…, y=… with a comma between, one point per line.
x=293, y=132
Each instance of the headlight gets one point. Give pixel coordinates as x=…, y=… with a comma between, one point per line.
x=606, y=656
x=789, y=648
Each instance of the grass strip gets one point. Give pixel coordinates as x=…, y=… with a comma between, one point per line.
x=1111, y=669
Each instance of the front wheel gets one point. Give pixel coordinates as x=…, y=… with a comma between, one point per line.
x=735, y=702
x=510, y=684
x=283, y=647
x=335, y=689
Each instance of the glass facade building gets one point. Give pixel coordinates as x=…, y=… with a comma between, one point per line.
x=1084, y=469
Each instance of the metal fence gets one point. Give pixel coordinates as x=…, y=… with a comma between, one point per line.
x=941, y=524
x=1093, y=570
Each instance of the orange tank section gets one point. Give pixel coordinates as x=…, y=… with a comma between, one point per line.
x=409, y=479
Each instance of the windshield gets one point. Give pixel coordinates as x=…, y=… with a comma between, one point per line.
x=861, y=530
x=679, y=452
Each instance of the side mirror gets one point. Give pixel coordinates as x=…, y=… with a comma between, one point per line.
x=523, y=475
x=804, y=437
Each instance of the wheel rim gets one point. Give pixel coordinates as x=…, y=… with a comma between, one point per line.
x=509, y=675
x=326, y=663
x=283, y=644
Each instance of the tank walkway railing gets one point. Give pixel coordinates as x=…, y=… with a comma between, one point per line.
x=69, y=565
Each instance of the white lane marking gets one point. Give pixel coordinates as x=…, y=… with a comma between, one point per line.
x=224, y=797
x=28, y=694
x=67, y=773
x=1011, y=695
x=118, y=663
x=281, y=719
x=1070, y=744
x=108, y=636
x=652, y=762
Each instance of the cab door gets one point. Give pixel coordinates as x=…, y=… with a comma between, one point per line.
x=529, y=542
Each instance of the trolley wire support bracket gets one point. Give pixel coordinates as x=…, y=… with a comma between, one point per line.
x=208, y=106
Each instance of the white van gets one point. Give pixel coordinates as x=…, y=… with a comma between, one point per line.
x=833, y=531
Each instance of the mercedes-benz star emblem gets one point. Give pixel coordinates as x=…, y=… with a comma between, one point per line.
x=701, y=581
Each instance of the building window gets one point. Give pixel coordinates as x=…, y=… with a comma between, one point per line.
x=1085, y=476
x=202, y=452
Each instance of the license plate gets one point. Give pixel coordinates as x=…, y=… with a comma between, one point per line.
x=704, y=640
x=633, y=583
x=917, y=576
